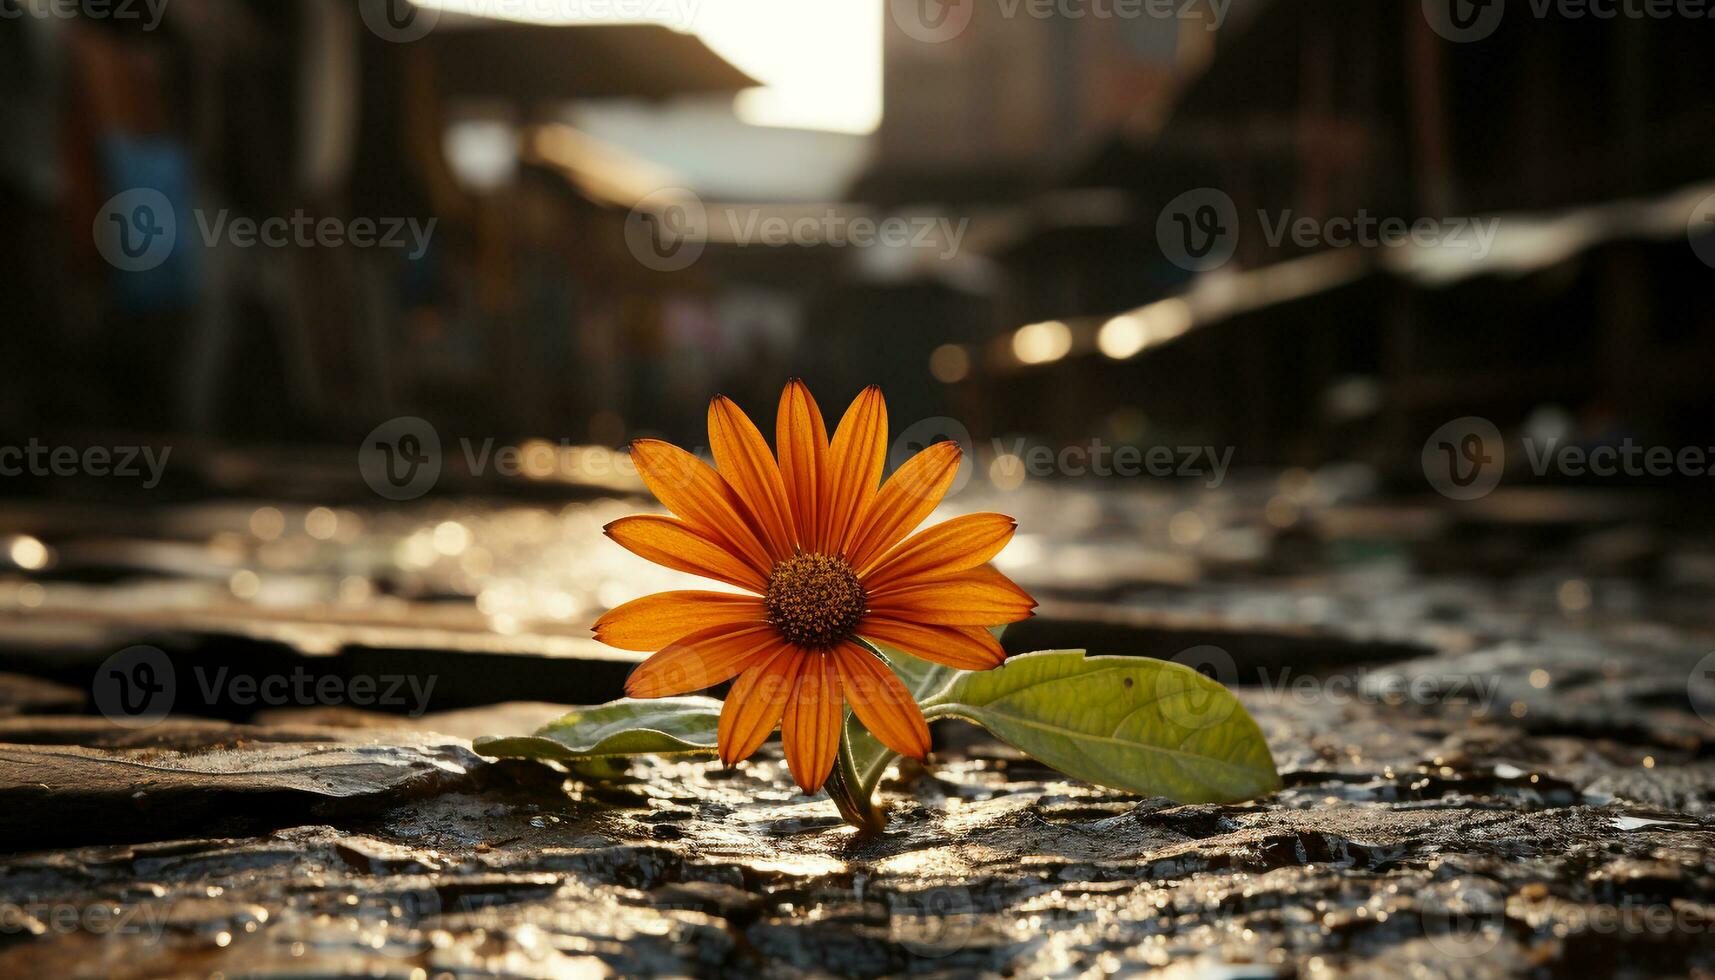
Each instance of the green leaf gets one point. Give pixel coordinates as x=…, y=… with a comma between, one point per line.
x=1145, y=726
x=630, y=726
x=1132, y=723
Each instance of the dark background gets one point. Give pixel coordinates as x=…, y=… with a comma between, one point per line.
x=1061, y=140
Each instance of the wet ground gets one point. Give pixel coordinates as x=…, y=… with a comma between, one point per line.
x=1494, y=721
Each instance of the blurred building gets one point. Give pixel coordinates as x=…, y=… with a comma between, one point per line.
x=499, y=298
x=980, y=106
x=1585, y=144
x=1056, y=145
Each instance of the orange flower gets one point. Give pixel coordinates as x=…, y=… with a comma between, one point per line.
x=821, y=545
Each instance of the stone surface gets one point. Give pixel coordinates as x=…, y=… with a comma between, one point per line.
x=61, y=793
x=1497, y=762
x=20, y=694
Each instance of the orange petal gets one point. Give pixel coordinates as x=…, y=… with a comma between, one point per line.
x=756, y=701
x=811, y=728
x=948, y=547
x=670, y=542
x=803, y=444
x=979, y=597
x=857, y=458
x=881, y=701
x=964, y=647
x=742, y=456
x=691, y=489
x=701, y=660
x=654, y=621
x=906, y=500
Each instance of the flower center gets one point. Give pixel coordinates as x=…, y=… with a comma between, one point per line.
x=814, y=601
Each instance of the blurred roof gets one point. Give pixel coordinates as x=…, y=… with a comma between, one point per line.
x=604, y=173
x=534, y=63
x=1522, y=243
x=890, y=184
x=1525, y=242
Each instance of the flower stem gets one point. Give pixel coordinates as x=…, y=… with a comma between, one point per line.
x=855, y=800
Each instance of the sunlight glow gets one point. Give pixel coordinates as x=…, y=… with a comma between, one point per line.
x=1042, y=343
x=819, y=60
x=1128, y=334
